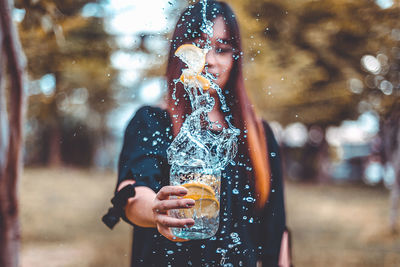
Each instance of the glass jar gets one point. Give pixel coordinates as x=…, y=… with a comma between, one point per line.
x=203, y=184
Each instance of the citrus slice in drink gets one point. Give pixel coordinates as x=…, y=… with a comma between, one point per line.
x=210, y=207
x=206, y=204
x=204, y=207
x=198, y=189
x=193, y=56
x=198, y=80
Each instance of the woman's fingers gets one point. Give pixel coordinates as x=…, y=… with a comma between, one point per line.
x=165, y=205
x=169, y=190
x=168, y=221
x=165, y=231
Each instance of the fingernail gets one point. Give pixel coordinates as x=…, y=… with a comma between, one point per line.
x=182, y=193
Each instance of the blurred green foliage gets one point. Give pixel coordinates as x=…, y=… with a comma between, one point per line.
x=75, y=51
x=303, y=63
x=302, y=54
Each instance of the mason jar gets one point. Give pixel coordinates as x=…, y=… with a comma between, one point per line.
x=203, y=184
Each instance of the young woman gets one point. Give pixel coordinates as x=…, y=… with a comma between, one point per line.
x=250, y=232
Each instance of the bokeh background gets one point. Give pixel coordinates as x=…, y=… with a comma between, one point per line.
x=325, y=74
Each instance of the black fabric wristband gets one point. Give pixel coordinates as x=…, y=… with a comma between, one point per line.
x=117, y=211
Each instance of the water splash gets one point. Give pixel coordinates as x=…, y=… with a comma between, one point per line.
x=196, y=144
x=206, y=26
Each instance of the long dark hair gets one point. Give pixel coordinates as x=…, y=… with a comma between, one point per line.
x=254, y=145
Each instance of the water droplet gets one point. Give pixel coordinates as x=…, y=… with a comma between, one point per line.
x=145, y=139
x=250, y=199
x=235, y=191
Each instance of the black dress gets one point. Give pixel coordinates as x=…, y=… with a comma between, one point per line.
x=243, y=238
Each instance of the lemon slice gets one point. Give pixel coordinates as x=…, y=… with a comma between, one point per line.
x=198, y=189
x=203, y=207
x=193, y=80
x=206, y=204
x=193, y=56
x=209, y=207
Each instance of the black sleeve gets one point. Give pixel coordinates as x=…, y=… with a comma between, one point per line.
x=274, y=221
x=143, y=156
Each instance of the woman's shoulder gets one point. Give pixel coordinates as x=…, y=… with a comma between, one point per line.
x=267, y=128
x=149, y=117
x=270, y=136
x=150, y=112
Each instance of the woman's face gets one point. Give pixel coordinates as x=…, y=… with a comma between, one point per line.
x=219, y=60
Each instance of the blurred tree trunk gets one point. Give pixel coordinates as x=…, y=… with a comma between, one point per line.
x=323, y=162
x=54, y=131
x=315, y=160
x=391, y=153
x=10, y=135
x=54, y=156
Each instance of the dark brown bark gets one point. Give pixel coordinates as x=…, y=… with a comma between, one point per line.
x=3, y=111
x=54, y=157
x=323, y=163
x=54, y=129
x=11, y=138
x=390, y=132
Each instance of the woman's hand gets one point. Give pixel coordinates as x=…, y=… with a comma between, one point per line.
x=162, y=204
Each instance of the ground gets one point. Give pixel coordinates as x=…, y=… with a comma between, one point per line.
x=332, y=225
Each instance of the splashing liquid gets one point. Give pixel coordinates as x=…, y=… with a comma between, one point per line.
x=196, y=144
x=198, y=155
